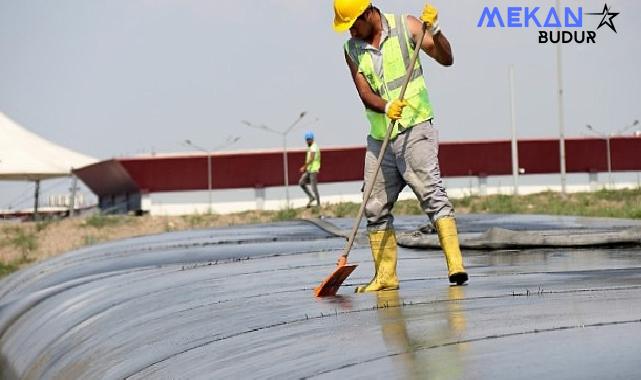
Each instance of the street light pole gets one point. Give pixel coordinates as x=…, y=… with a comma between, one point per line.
x=230, y=140
x=617, y=133
x=285, y=163
x=208, y=152
x=608, y=149
x=286, y=169
x=609, y=161
x=559, y=78
x=284, y=136
x=634, y=124
x=209, y=174
x=515, y=145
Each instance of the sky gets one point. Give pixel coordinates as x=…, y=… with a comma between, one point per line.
x=114, y=78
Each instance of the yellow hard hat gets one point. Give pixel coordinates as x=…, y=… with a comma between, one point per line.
x=347, y=11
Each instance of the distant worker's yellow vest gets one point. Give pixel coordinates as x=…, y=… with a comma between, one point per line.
x=316, y=164
x=396, y=50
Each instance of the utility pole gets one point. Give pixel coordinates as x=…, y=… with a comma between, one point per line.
x=72, y=199
x=36, y=201
x=284, y=136
x=607, y=137
x=515, y=146
x=230, y=140
x=559, y=77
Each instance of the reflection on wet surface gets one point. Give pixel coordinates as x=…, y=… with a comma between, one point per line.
x=398, y=326
x=237, y=303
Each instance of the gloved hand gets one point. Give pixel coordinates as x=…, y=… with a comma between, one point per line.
x=430, y=17
x=394, y=109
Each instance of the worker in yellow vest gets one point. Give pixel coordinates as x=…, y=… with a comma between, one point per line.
x=378, y=55
x=310, y=170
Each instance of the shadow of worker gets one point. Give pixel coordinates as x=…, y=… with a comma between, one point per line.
x=423, y=340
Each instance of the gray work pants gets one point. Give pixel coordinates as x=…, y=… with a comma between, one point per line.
x=410, y=159
x=312, y=179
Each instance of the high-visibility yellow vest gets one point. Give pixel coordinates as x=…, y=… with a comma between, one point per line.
x=314, y=167
x=396, y=52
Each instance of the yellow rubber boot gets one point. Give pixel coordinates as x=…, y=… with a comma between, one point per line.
x=447, y=235
x=383, y=245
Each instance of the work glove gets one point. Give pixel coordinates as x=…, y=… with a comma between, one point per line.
x=394, y=109
x=430, y=17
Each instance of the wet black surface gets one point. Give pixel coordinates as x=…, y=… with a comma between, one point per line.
x=237, y=303
x=471, y=223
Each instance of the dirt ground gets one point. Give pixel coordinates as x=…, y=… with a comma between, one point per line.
x=28, y=242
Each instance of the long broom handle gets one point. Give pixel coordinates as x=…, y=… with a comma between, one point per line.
x=370, y=183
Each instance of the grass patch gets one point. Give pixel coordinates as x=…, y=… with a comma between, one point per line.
x=8, y=268
x=41, y=226
x=284, y=215
x=346, y=209
x=100, y=221
x=408, y=207
x=25, y=241
x=195, y=220
x=200, y=220
x=496, y=204
x=21, y=240
x=5, y=269
x=90, y=240
x=603, y=203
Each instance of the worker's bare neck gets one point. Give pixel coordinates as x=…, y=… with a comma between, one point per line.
x=377, y=31
x=375, y=38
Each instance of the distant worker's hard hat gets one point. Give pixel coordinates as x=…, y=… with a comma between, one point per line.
x=309, y=135
x=347, y=11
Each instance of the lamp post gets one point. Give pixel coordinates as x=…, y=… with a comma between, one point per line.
x=561, y=117
x=230, y=140
x=607, y=150
x=515, y=145
x=607, y=145
x=284, y=136
x=634, y=124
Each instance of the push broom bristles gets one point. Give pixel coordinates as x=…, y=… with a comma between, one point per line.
x=330, y=285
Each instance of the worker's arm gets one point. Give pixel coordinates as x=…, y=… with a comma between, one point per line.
x=436, y=46
x=370, y=99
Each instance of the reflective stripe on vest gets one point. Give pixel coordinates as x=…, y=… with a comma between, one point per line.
x=396, y=50
x=316, y=164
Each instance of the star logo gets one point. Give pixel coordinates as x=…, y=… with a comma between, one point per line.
x=607, y=17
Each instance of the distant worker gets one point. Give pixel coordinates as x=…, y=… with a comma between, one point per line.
x=310, y=170
x=377, y=54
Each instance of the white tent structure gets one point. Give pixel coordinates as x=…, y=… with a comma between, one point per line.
x=25, y=156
